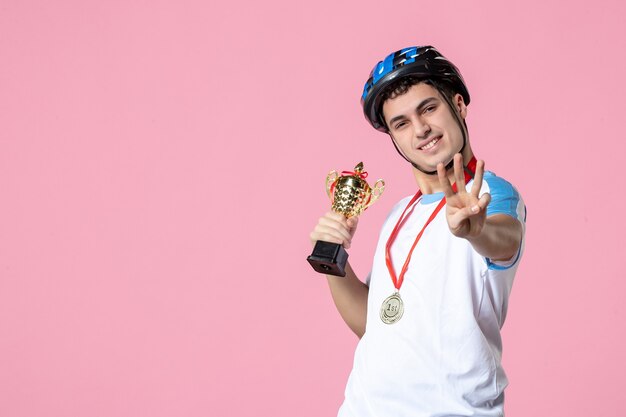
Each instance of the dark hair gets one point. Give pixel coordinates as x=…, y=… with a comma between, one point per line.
x=401, y=86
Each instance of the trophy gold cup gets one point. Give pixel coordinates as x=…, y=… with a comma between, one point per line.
x=350, y=195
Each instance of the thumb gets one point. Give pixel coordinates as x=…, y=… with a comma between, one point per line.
x=484, y=201
x=353, y=222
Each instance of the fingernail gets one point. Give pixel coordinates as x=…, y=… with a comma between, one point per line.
x=475, y=209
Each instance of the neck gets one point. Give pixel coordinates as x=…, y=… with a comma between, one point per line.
x=429, y=184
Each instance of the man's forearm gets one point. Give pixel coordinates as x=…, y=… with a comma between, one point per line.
x=500, y=238
x=350, y=297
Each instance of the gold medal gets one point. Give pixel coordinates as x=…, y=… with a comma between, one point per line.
x=392, y=309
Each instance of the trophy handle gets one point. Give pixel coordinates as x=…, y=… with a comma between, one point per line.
x=330, y=180
x=377, y=191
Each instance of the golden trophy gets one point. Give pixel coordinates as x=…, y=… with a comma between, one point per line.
x=350, y=195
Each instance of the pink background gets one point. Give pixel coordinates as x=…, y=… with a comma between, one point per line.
x=162, y=164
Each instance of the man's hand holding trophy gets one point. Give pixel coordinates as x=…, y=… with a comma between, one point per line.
x=350, y=195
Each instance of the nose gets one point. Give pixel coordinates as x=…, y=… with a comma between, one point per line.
x=422, y=129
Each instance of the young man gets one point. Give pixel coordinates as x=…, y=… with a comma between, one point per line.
x=430, y=312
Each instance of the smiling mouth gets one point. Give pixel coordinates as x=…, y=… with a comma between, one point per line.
x=430, y=144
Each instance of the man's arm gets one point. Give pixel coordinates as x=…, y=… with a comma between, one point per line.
x=500, y=238
x=350, y=297
x=349, y=293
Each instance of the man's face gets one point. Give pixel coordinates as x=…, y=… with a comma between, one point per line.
x=423, y=126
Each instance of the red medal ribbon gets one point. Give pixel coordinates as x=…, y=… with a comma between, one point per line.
x=397, y=281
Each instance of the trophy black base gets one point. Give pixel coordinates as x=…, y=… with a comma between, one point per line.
x=329, y=258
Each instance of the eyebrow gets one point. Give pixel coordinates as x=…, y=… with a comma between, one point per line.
x=419, y=107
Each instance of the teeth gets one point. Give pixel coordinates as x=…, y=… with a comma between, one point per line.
x=430, y=144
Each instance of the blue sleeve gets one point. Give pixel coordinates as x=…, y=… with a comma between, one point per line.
x=504, y=200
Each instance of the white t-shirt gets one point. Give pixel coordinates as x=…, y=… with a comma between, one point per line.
x=443, y=357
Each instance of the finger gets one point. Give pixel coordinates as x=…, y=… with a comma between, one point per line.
x=337, y=217
x=481, y=204
x=333, y=218
x=459, y=217
x=329, y=234
x=339, y=228
x=459, y=173
x=444, y=181
x=353, y=222
x=478, y=178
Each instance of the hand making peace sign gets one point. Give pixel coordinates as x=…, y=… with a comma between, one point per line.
x=465, y=211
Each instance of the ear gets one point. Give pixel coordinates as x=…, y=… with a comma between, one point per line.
x=459, y=103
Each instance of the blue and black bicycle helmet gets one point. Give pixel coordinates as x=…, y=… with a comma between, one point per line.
x=418, y=61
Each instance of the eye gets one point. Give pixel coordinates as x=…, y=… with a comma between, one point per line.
x=399, y=125
x=430, y=109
